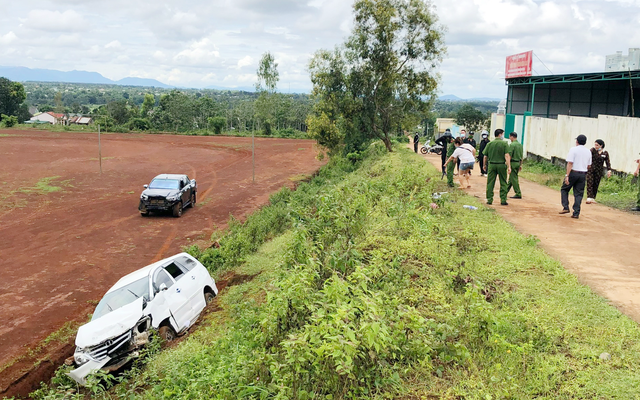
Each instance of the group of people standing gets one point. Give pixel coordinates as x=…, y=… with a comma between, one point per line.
x=502, y=160
x=496, y=158
x=586, y=168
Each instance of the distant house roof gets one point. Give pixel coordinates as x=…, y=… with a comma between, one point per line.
x=56, y=115
x=84, y=120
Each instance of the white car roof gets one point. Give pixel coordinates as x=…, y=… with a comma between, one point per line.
x=144, y=272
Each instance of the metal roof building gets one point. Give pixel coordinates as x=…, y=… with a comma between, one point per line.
x=583, y=95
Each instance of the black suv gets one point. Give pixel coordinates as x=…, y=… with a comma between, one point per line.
x=168, y=192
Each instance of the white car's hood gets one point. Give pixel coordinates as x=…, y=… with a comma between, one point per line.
x=110, y=325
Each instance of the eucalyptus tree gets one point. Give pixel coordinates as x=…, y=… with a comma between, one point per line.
x=385, y=71
x=268, y=77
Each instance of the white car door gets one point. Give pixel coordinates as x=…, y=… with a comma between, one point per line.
x=196, y=283
x=176, y=300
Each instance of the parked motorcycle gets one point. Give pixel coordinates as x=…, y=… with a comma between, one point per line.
x=427, y=149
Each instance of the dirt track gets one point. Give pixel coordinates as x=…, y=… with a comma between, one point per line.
x=61, y=251
x=602, y=248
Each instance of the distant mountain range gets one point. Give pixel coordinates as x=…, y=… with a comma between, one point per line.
x=23, y=74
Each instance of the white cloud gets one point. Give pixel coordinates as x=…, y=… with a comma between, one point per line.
x=203, y=53
x=55, y=21
x=8, y=38
x=244, y=62
x=113, y=45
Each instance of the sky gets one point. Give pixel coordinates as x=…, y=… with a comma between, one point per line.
x=199, y=43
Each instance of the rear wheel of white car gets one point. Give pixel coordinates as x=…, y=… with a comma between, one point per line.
x=193, y=200
x=208, y=297
x=167, y=333
x=177, y=210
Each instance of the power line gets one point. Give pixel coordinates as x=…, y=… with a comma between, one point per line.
x=543, y=63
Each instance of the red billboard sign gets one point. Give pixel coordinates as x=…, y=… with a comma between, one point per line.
x=519, y=65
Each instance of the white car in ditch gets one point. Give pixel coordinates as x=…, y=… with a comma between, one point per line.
x=168, y=295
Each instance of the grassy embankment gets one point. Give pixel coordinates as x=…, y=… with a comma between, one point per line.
x=362, y=290
x=617, y=192
x=283, y=133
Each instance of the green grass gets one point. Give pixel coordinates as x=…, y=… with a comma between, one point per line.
x=617, y=192
x=363, y=291
x=44, y=186
x=285, y=133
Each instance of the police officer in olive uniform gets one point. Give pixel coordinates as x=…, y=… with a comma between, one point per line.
x=516, y=152
x=497, y=163
x=450, y=166
x=416, y=142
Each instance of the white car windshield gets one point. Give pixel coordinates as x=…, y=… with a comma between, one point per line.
x=121, y=297
x=165, y=184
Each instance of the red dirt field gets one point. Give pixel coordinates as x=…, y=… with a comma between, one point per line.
x=60, y=251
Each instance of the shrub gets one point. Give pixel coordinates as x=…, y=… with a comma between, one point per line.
x=9, y=120
x=217, y=123
x=139, y=124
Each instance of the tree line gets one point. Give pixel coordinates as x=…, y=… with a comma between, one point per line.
x=173, y=110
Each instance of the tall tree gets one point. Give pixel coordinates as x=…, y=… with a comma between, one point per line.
x=471, y=118
x=12, y=95
x=147, y=105
x=268, y=77
x=384, y=71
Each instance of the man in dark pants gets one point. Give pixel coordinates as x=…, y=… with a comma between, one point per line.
x=443, y=141
x=481, y=146
x=416, y=142
x=578, y=163
x=517, y=153
x=497, y=164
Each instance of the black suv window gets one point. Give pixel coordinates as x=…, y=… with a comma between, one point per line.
x=175, y=271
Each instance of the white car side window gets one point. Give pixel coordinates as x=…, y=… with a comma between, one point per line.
x=160, y=277
x=175, y=271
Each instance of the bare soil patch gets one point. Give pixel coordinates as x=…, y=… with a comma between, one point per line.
x=61, y=250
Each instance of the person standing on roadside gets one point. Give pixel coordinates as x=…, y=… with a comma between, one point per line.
x=481, y=146
x=450, y=149
x=578, y=163
x=637, y=207
x=443, y=141
x=465, y=153
x=472, y=142
x=416, y=141
x=599, y=156
x=517, y=153
x=463, y=137
x=497, y=163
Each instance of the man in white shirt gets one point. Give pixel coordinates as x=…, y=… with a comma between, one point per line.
x=578, y=163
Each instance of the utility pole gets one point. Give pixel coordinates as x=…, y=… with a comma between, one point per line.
x=99, y=150
x=253, y=154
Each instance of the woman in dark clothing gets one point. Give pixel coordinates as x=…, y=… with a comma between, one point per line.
x=598, y=158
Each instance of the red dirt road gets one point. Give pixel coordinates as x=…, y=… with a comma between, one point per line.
x=61, y=251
